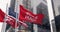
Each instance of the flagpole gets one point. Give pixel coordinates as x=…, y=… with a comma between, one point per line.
x=35, y=28
x=16, y=15
x=4, y=24
x=51, y=16
x=17, y=10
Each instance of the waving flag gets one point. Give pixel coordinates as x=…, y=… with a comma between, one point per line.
x=2, y=16
x=26, y=15
x=13, y=13
x=9, y=19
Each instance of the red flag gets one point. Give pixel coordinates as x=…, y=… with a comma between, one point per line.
x=24, y=12
x=26, y=15
x=10, y=20
x=2, y=15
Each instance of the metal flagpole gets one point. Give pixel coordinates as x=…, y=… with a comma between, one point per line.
x=16, y=15
x=17, y=10
x=34, y=25
x=51, y=16
x=4, y=24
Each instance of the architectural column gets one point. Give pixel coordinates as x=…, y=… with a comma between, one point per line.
x=51, y=16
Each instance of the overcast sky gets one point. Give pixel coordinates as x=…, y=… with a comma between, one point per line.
x=3, y=4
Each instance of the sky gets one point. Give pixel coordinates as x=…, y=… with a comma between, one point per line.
x=3, y=4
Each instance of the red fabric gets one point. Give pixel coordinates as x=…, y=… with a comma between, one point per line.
x=2, y=15
x=24, y=12
x=10, y=20
x=39, y=19
x=26, y=15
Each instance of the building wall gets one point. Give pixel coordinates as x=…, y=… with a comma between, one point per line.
x=56, y=5
x=35, y=3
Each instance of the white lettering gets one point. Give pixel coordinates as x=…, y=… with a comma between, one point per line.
x=30, y=18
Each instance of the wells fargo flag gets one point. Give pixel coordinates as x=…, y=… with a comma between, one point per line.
x=27, y=15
